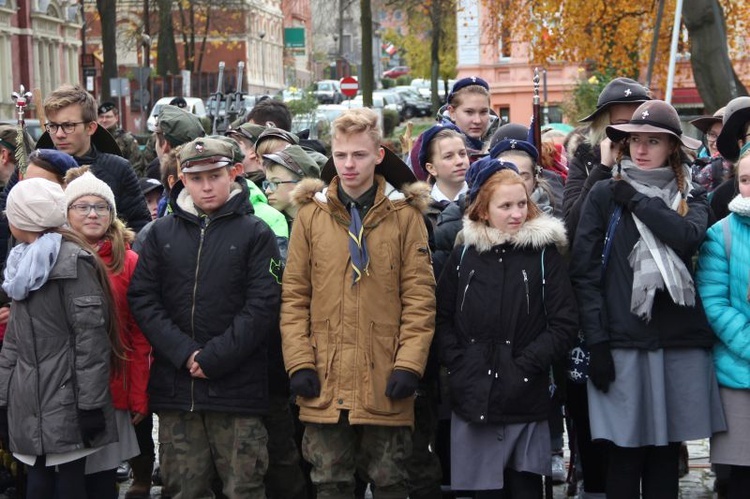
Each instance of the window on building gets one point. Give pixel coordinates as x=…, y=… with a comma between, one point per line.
x=504, y=44
x=503, y=112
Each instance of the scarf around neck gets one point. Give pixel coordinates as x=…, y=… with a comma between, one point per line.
x=656, y=265
x=29, y=265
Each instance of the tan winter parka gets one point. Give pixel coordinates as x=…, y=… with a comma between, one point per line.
x=354, y=336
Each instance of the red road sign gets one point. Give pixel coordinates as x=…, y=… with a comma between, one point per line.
x=349, y=86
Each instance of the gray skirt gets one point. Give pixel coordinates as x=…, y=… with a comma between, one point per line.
x=111, y=455
x=658, y=397
x=480, y=453
x=733, y=445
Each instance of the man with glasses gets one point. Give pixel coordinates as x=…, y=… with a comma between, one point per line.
x=72, y=128
x=109, y=118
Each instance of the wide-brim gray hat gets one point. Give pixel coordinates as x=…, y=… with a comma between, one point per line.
x=654, y=116
x=736, y=114
x=704, y=123
x=619, y=91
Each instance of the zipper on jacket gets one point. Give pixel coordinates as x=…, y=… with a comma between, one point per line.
x=204, y=226
x=468, y=281
x=526, y=285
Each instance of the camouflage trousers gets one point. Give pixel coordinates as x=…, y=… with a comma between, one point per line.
x=284, y=478
x=378, y=454
x=195, y=447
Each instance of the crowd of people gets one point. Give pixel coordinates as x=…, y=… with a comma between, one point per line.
x=310, y=325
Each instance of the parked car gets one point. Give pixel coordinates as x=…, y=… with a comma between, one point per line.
x=316, y=122
x=194, y=105
x=327, y=92
x=396, y=72
x=414, y=103
x=423, y=87
x=380, y=100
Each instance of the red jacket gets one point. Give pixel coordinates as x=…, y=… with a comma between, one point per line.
x=129, y=385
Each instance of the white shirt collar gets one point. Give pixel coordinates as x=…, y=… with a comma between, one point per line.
x=438, y=195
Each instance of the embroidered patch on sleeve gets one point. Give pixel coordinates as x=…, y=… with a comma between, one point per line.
x=275, y=269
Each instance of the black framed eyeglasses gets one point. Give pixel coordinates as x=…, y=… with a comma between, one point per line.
x=84, y=209
x=271, y=186
x=67, y=127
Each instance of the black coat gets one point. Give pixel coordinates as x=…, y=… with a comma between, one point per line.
x=605, y=314
x=494, y=335
x=210, y=284
x=584, y=170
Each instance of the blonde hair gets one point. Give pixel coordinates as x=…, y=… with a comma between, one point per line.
x=270, y=145
x=598, y=128
x=68, y=95
x=360, y=120
x=478, y=210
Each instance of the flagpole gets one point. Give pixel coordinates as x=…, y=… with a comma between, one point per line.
x=673, y=50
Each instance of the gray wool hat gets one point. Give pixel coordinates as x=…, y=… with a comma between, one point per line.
x=654, y=116
x=619, y=91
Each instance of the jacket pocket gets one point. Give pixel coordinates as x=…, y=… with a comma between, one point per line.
x=63, y=415
x=88, y=311
x=381, y=356
x=162, y=379
x=325, y=352
x=467, y=380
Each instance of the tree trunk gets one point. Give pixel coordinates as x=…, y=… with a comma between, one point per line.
x=435, y=18
x=166, y=49
x=714, y=75
x=108, y=15
x=366, y=79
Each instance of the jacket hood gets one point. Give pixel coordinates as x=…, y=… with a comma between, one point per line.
x=416, y=194
x=536, y=233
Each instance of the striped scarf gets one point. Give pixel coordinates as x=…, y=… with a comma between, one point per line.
x=656, y=265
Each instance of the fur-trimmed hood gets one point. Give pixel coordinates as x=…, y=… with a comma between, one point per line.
x=536, y=233
x=416, y=194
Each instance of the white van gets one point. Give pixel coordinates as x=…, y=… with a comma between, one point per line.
x=194, y=105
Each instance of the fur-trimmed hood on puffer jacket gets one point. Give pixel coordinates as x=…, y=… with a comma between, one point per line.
x=535, y=233
x=416, y=194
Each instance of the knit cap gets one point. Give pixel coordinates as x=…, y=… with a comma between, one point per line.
x=88, y=185
x=35, y=205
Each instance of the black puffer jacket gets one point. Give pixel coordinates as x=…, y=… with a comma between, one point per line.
x=610, y=319
x=209, y=284
x=584, y=170
x=498, y=328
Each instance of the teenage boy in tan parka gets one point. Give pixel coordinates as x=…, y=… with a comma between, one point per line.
x=357, y=313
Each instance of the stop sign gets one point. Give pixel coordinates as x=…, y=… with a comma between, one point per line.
x=349, y=86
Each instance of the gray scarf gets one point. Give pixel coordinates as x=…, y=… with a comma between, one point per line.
x=654, y=263
x=541, y=198
x=28, y=265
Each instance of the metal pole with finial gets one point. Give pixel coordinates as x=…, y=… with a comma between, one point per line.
x=22, y=99
x=536, y=120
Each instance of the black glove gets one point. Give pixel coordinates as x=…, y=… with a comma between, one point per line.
x=601, y=366
x=401, y=384
x=91, y=423
x=305, y=383
x=623, y=192
x=4, y=435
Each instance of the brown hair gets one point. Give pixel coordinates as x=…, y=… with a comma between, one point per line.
x=169, y=167
x=477, y=210
x=117, y=354
x=359, y=120
x=457, y=97
x=8, y=140
x=37, y=160
x=68, y=95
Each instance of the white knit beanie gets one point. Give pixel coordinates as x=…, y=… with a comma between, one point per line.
x=35, y=205
x=88, y=185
